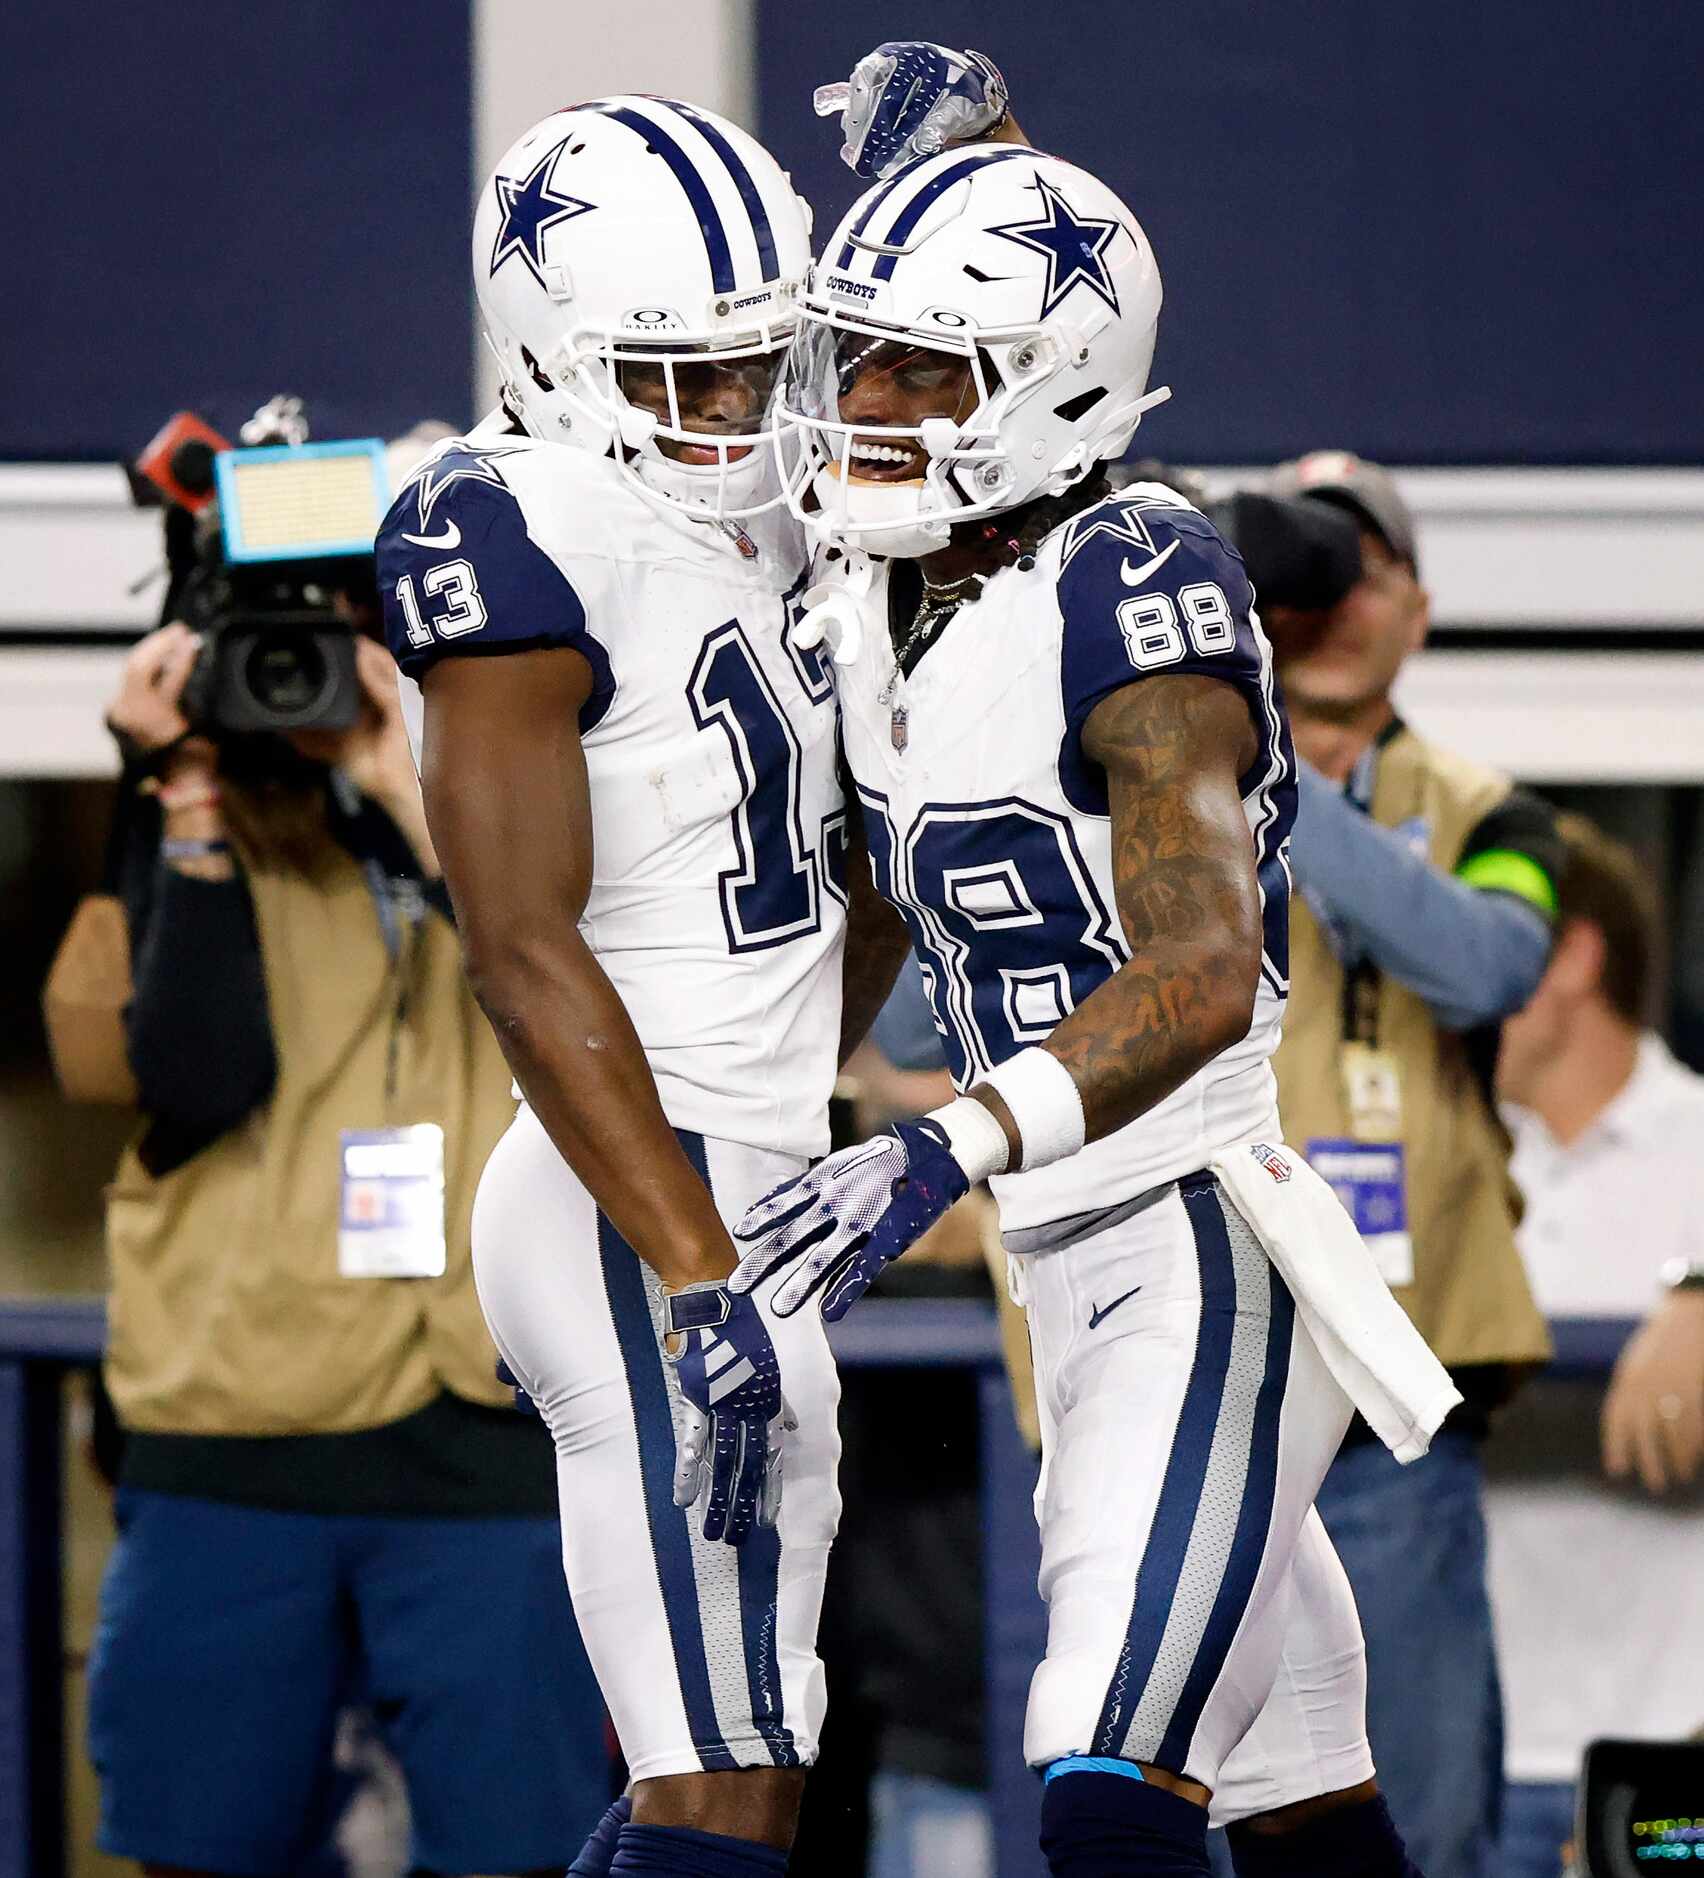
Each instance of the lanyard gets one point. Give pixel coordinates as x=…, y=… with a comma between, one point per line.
x=1360, y=975
x=401, y=906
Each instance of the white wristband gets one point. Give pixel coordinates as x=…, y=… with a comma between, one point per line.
x=1045, y=1103
x=977, y=1141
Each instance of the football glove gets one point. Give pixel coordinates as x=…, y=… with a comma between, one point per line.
x=911, y=98
x=839, y=1223
x=728, y=1431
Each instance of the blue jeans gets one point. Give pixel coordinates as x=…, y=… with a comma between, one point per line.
x=1538, y=1820
x=230, y=1636
x=1412, y=1540
x=922, y=1828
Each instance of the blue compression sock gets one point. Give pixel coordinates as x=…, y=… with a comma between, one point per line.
x=1101, y=1819
x=599, y=1850
x=679, y=1852
x=1358, y=1841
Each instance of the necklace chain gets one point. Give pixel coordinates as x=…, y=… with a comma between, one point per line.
x=937, y=606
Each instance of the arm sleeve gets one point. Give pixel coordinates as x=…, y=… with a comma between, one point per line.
x=198, y=1028
x=461, y=576
x=1474, y=955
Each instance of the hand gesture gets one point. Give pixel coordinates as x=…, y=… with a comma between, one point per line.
x=727, y=1439
x=373, y=752
x=839, y=1223
x=911, y=98
x=1653, y=1415
x=146, y=715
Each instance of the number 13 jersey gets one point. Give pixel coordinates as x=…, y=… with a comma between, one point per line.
x=988, y=828
x=718, y=892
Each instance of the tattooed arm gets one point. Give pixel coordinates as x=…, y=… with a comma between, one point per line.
x=1184, y=875
x=876, y=942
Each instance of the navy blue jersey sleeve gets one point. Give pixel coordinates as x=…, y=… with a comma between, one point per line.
x=459, y=574
x=1146, y=591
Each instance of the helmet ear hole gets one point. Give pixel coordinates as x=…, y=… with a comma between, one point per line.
x=536, y=370
x=1080, y=405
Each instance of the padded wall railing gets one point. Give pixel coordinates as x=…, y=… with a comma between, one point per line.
x=41, y=1339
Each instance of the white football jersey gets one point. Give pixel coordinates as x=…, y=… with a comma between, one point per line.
x=718, y=899
x=988, y=828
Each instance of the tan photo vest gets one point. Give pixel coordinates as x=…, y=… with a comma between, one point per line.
x=228, y=1313
x=1469, y=1299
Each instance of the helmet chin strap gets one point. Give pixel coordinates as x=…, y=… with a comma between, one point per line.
x=885, y=514
x=696, y=486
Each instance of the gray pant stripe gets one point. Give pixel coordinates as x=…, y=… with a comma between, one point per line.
x=1209, y=1549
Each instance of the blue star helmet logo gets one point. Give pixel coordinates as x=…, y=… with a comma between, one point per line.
x=530, y=207
x=1075, y=247
x=460, y=462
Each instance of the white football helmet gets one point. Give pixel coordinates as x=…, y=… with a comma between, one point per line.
x=638, y=263
x=1032, y=282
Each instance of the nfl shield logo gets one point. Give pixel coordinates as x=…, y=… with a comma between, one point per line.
x=898, y=727
x=1272, y=1161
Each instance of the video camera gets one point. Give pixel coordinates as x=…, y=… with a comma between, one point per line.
x=261, y=542
x=1641, y=1805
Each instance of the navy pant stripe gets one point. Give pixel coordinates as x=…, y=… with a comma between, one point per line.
x=671, y=1544
x=760, y=1587
x=750, y=195
x=1254, y=1518
x=1180, y=1494
x=709, y=220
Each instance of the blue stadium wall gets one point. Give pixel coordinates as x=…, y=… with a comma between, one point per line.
x=1443, y=233
x=214, y=204
x=1440, y=233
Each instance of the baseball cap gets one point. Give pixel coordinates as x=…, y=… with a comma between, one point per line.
x=1351, y=482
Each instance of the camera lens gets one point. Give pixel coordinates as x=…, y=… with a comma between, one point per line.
x=286, y=673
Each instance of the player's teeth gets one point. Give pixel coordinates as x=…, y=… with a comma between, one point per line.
x=879, y=453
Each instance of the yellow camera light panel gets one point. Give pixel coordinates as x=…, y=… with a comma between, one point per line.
x=288, y=502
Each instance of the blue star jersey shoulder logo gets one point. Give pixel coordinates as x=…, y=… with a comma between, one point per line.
x=531, y=206
x=460, y=463
x=1075, y=247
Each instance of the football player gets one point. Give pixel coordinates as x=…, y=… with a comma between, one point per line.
x=628, y=759
x=1076, y=786
x=628, y=763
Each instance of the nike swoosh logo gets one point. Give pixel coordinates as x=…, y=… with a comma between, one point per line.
x=1134, y=576
x=451, y=538
x=1097, y=1317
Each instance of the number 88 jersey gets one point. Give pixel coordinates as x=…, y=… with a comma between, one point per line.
x=989, y=829
x=718, y=895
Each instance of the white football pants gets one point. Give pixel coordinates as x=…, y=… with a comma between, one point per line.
x=1187, y=1421
x=706, y=1653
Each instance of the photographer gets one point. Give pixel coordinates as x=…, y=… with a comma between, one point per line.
x=324, y=1494
x=1426, y=895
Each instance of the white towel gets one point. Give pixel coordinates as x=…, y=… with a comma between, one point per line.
x=1378, y=1357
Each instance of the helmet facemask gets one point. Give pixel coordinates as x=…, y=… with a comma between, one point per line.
x=690, y=423
x=899, y=487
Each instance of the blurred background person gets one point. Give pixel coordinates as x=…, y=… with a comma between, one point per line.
x=1422, y=919
x=1596, y=1508
x=324, y=1494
